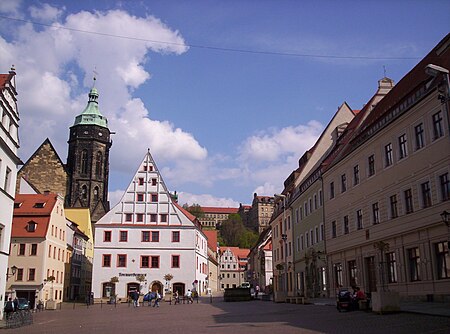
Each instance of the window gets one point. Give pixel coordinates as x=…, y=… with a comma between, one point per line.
x=154, y=182
x=391, y=267
x=96, y=193
x=145, y=237
x=356, y=175
x=175, y=261
x=106, y=260
x=402, y=146
x=331, y=193
x=153, y=218
x=338, y=274
x=333, y=229
x=408, y=201
x=346, y=228
x=21, y=249
x=140, y=197
x=155, y=261
x=31, y=226
x=123, y=236
x=375, y=213
x=19, y=274
x=352, y=270
x=7, y=179
x=139, y=217
x=33, y=250
x=426, y=194
x=359, y=222
x=84, y=191
x=438, y=127
x=320, y=198
x=393, y=203
x=106, y=236
x=175, y=236
x=154, y=198
x=388, y=158
x=31, y=274
x=84, y=162
x=414, y=263
x=121, y=260
x=98, y=164
x=445, y=187
x=145, y=262
x=155, y=236
x=418, y=131
x=163, y=218
x=371, y=164
x=442, y=260
x=141, y=181
x=128, y=217
x=343, y=183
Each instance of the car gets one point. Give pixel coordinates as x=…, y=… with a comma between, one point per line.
x=245, y=285
x=23, y=304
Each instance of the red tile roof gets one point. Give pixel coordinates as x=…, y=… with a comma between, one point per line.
x=4, y=79
x=212, y=209
x=212, y=239
x=27, y=212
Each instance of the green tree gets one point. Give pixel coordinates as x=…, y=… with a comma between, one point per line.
x=194, y=209
x=232, y=232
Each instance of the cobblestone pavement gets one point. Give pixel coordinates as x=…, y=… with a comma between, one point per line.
x=220, y=317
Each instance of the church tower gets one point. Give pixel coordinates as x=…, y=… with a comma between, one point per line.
x=88, y=160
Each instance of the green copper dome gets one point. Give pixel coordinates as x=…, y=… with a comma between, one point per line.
x=91, y=114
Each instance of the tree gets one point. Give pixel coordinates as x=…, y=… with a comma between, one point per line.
x=194, y=209
x=234, y=233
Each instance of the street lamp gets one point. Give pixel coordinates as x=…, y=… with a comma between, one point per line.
x=284, y=238
x=13, y=272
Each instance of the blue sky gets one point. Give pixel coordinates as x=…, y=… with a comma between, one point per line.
x=222, y=107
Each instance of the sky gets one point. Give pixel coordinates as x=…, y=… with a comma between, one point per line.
x=227, y=95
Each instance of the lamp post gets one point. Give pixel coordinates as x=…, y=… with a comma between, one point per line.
x=13, y=272
x=445, y=216
x=284, y=238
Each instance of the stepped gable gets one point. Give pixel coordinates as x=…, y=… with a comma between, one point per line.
x=147, y=201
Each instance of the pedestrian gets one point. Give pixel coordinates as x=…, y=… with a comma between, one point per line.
x=189, y=296
x=135, y=298
x=16, y=304
x=157, y=299
x=176, y=297
x=256, y=291
x=9, y=307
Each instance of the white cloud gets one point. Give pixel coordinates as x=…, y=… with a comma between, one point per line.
x=10, y=6
x=45, y=12
x=206, y=200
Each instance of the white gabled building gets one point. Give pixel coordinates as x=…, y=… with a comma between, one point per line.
x=146, y=236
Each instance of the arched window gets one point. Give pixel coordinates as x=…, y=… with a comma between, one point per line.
x=84, y=191
x=96, y=194
x=99, y=164
x=84, y=162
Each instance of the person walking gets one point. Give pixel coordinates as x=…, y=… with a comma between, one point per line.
x=189, y=297
x=9, y=308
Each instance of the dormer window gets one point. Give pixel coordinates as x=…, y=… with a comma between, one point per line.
x=31, y=226
x=39, y=205
x=17, y=205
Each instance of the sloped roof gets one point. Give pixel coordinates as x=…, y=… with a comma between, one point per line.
x=52, y=148
x=213, y=209
x=28, y=212
x=82, y=217
x=212, y=239
x=5, y=79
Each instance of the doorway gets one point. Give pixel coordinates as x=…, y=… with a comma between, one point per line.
x=180, y=287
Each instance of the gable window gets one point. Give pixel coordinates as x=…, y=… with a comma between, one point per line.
x=121, y=260
x=31, y=226
x=139, y=217
x=154, y=198
x=356, y=175
x=106, y=262
x=175, y=261
x=123, y=236
x=106, y=236
x=175, y=236
x=418, y=131
x=155, y=261
x=154, y=182
x=388, y=158
x=163, y=218
x=141, y=181
x=155, y=236
x=140, y=197
x=438, y=127
x=145, y=261
x=153, y=218
x=145, y=236
x=426, y=194
x=402, y=146
x=128, y=217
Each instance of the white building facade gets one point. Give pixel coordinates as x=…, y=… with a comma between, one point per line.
x=9, y=144
x=148, y=242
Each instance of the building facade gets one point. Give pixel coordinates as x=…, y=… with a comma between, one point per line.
x=146, y=237
x=384, y=230
x=214, y=216
x=233, y=265
x=260, y=271
x=38, y=249
x=260, y=212
x=9, y=160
